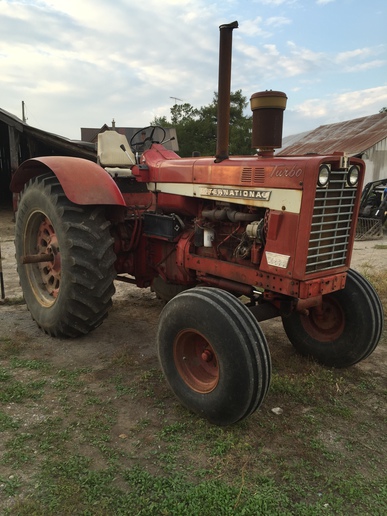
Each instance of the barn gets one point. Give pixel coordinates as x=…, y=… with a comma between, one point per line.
x=364, y=137
x=19, y=141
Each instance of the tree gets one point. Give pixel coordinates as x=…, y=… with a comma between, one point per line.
x=161, y=121
x=240, y=125
x=383, y=110
x=196, y=128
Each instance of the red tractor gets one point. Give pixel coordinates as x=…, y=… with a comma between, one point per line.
x=204, y=233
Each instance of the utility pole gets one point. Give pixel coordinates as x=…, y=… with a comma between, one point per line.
x=23, y=112
x=176, y=98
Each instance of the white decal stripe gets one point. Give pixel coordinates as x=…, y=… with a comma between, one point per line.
x=272, y=198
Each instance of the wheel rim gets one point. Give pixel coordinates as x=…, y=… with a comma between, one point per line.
x=325, y=324
x=196, y=361
x=40, y=238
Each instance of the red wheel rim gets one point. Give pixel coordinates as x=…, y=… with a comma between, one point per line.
x=47, y=243
x=44, y=277
x=196, y=361
x=325, y=324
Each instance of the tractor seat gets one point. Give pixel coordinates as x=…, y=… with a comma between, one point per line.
x=111, y=157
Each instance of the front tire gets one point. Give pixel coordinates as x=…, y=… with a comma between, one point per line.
x=69, y=294
x=214, y=355
x=348, y=329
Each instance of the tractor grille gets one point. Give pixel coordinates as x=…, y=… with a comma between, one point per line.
x=331, y=224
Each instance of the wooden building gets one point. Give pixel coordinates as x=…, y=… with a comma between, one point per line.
x=19, y=141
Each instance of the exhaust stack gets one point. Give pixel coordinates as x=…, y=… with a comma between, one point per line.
x=268, y=108
x=224, y=86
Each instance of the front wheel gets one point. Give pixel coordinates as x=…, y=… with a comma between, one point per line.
x=65, y=259
x=213, y=354
x=345, y=331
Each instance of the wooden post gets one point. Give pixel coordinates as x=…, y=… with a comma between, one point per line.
x=14, y=139
x=1, y=277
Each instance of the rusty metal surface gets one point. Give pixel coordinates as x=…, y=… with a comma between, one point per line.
x=352, y=137
x=224, y=83
x=369, y=229
x=37, y=258
x=83, y=181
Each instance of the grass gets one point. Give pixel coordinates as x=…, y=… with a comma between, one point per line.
x=115, y=441
x=377, y=277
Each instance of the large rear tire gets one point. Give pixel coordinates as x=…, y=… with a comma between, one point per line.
x=70, y=293
x=214, y=355
x=348, y=329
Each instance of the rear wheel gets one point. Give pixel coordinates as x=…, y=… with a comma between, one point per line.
x=213, y=354
x=345, y=331
x=67, y=277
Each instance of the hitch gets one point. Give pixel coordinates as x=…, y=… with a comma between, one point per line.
x=37, y=258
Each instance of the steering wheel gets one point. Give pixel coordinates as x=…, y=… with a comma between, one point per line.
x=143, y=139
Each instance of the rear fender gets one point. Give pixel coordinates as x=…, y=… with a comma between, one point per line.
x=83, y=181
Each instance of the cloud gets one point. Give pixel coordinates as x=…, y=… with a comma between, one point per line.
x=278, y=21
x=277, y=3
x=332, y=108
x=103, y=58
x=253, y=28
x=353, y=54
x=256, y=26
x=351, y=60
x=360, y=101
x=78, y=64
x=370, y=65
x=276, y=64
x=346, y=105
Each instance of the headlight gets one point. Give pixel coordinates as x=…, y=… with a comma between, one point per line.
x=353, y=175
x=323, y=175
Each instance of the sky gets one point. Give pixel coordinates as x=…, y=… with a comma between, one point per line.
x=83, y=63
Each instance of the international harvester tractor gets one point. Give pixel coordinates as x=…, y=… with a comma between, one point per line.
x=226, y=241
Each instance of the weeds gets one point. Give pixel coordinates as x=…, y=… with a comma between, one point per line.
x=377, y=277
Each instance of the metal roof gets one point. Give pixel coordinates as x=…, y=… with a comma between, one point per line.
x=10, y=119
x=58, y=143
x=352, y=137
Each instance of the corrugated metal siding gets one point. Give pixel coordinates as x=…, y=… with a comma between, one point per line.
x=375, y=159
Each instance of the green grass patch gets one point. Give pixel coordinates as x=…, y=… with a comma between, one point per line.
x=16, y=391
x=7, y=422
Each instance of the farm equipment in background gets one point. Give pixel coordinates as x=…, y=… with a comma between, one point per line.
x=372, y=211
x=204, y=233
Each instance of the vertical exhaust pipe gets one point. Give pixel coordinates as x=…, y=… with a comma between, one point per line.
x=224, y=86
